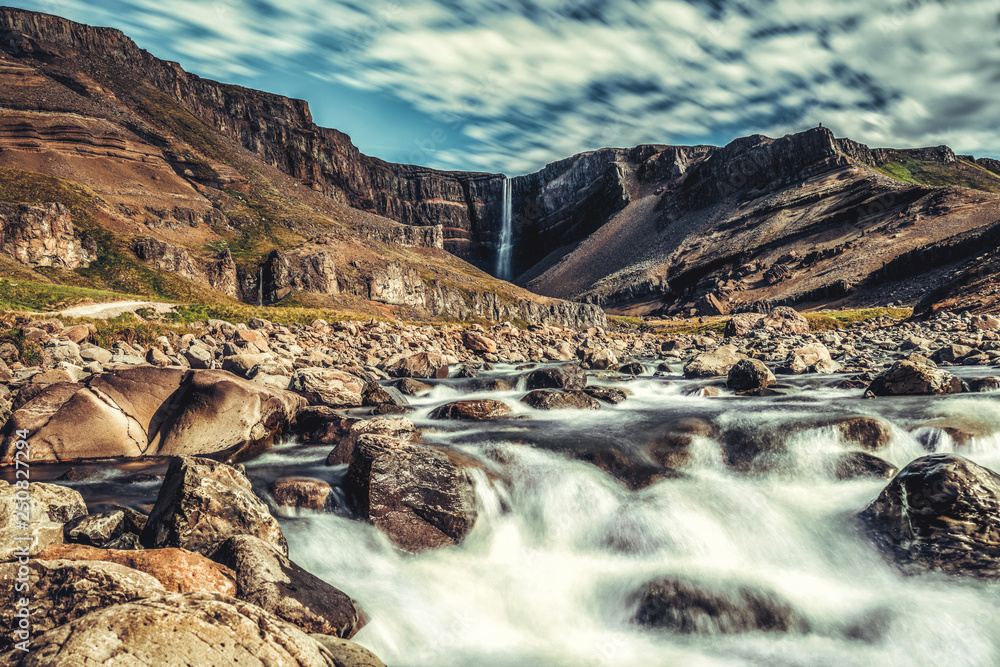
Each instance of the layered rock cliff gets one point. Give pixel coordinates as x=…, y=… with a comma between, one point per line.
x=41, y=235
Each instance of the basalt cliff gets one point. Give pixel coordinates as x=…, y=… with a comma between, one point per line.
x=174, y=185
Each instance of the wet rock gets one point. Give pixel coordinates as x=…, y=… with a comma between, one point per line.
x=567, y=376
x=712, y=364
x=374, y=395
x=913, y=378
x=64, y=590
x=854, y=465
x=986, y=384
x=941, y=512
x=468, y=371
x=320, y=425
x=202, y=503
x=630, y=470
x=411, y=387
x=148, y=411
x=271, y=581
x=178, y=629
x=348, y=654
x=302, y=492
x=493, y=384
x=417, y=495
x=601, y=360
x=473, y=410
x=393, y=427
x=420, y=365
x=329, y=387
x=686, y=608
x=633, y=368
x=748, y=375
x=177, y=570
x=608, y=395
x=951, y=354
x=477, y=342
x=546, y=399
x=869, y=433
x=104, y=530
x=671, y=447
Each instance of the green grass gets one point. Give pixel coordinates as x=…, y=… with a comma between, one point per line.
x=29, y=350
x=626, y=322
x=39, y=297
x=838, y=319
x=960, y=173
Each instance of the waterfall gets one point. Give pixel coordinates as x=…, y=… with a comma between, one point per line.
x=506, y=241
x=260, y=287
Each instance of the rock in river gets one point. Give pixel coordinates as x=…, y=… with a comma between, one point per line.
x=911, y=377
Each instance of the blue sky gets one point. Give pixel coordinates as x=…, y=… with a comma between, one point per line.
x=510, y=85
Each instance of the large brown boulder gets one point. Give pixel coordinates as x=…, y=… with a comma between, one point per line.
x=202, y=503
x=329, y=387
x=271, y=581
x=177, y=570
x=941, y=512
x=748, y=375
x=567, y=376
x=685, y=608
x=394, y=427
x=320, y=425
x=712, y=364
x=420, y=365
x=472, y=410
x=419, y=496
x=573, y=399
x=152, y=411
x=177, y=629
x=913, y=377
x=62, y=590
x=302, y=493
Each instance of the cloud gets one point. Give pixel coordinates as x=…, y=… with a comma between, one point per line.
x=516, y=84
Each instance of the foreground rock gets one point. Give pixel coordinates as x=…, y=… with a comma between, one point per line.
x=417, y=495
x=749, y=375
x=567, y=376
x=472, y=410
x=63, y=590
x=420, y=365
x=400, y=428
x=682, y=607
x=118, y=529
x=202, y=503
x=51, y=507
x=941, y=512
x=147, y=411
x=716, y=363
x=271, y=581
x=914, y=377
x=325, y=386
x=177, y=629
x=574, y=399
x=303, y=493
x=177, y=570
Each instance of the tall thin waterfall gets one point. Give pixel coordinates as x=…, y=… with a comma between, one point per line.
x=506, y=240
x=260, y=287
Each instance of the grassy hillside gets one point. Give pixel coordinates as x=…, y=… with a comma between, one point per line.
x=960, y=173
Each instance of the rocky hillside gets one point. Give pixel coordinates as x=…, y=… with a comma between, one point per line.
x=807, y=219
x=124, y=172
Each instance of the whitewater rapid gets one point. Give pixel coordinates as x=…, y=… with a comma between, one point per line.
x=548, y=574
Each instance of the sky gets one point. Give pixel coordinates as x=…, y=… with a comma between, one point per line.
x=511, y=85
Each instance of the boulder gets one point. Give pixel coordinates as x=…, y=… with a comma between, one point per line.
x=51, y=507
x=685, y=608
x=602, y=360
x=271, y=581
x=633, y=368
x=633, y=472
x=64, y=590
x=749, y=375
x=573, y=399
x=320, y=425
x=347, y=653
x=400, y=428
x=477, y=342
x=104, y=530
x=941, y=512
x=177, y=570
x=420, y=365
x=854, y=465
x=609, y=395
x=329, y=387
x=177, y=629
x=951, y=354
x=815, y=357
x=202, y=503
x=671, y=446
x=419, y=496
x=375, y=394
x=152, y=411
x=909, y=377
x=411, y=387
x=472, y=410
x=712, y=364
x=567, y=376
x=302, y=493
x=781, y=319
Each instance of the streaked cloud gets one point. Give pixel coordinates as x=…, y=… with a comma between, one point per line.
x=510, y=85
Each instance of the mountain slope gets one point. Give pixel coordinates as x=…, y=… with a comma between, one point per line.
x=806, y=219
x=185, y=188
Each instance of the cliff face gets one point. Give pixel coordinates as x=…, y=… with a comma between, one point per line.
x=41, y=235
x=280, y=130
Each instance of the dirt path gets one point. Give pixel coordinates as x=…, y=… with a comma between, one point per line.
x=114, y=308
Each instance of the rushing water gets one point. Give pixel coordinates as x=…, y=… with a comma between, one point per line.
x=505, y=245
x=547, y=575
